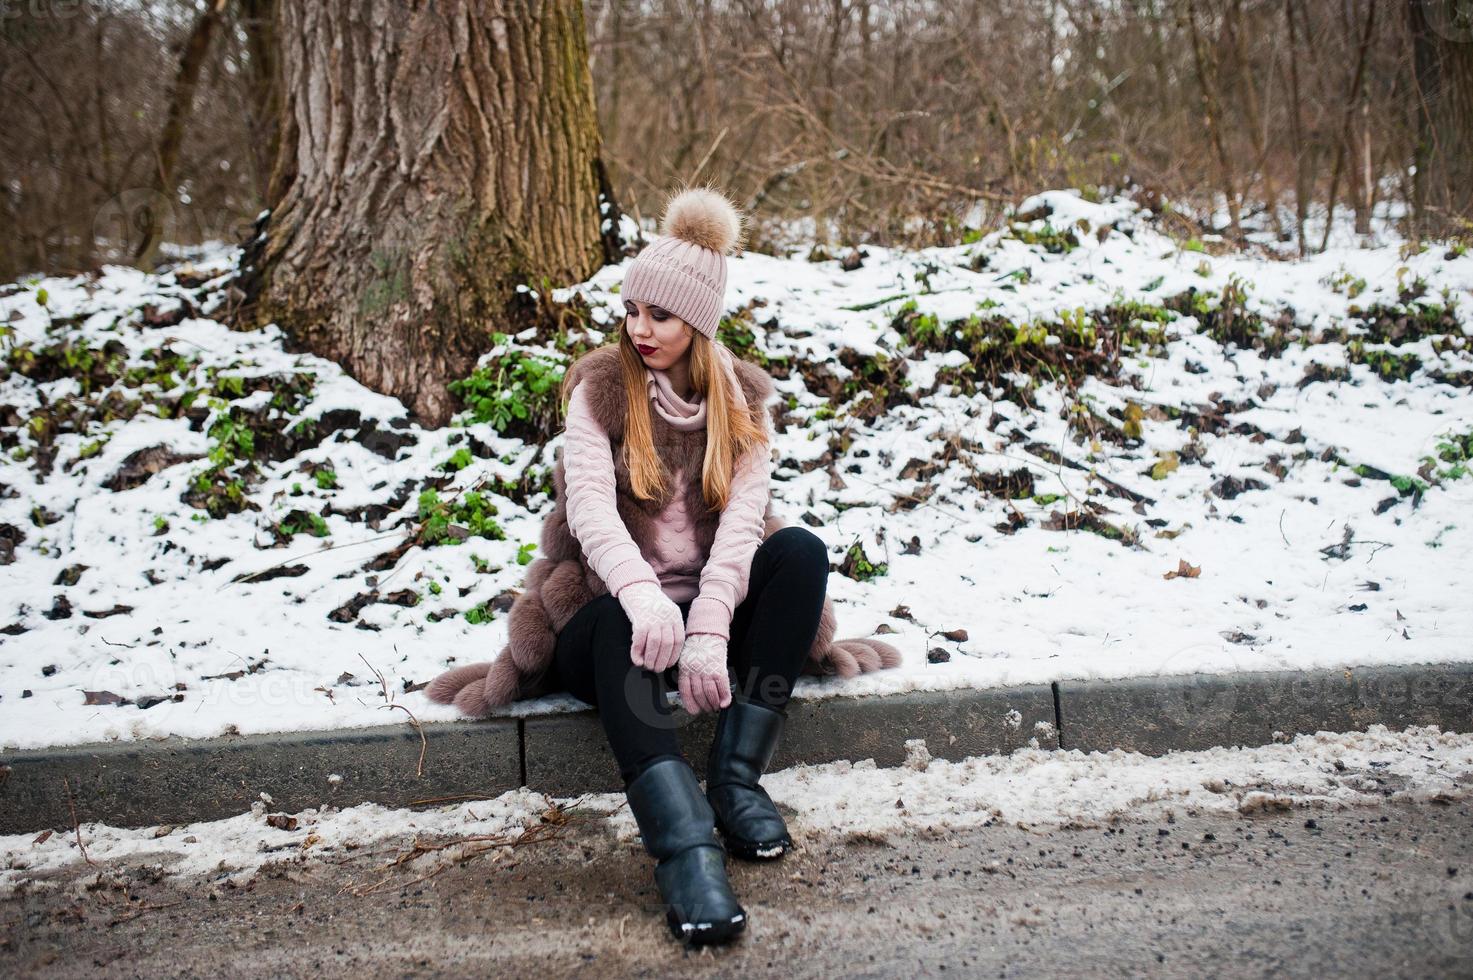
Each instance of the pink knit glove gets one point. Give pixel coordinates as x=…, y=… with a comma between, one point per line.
x=703, y=682
x=659, y=629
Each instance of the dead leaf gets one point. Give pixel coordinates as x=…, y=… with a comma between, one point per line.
x=959, y=636
x=104, y=697
x=1184, y=570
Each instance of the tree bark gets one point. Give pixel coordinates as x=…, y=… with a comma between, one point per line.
x=257, y=20
x=172, y=137
x=1256, y=130
x=1212, y=117
x=1351, y=98
x=434, y=156
x=1442, y=53
x=1303, y=184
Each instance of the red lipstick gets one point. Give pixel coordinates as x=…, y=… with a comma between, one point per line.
x=643, y=349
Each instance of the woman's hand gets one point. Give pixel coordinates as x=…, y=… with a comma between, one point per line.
x=703, y=681
x=659, y=629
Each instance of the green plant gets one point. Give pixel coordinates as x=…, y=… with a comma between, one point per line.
x=1077, y=322
x=1456, y=451
x=1051, y=239
x=923, y=329
x=1030, y=333
x=327, y=478
x=1408, y=485
x=479, y=615
x=524, y=553
x=1341, y=281
x=1388, y=365
x=449, y=522
x=301, y=522
x=230, y=385
x=1405, y=485
x=737, y=334
x=857, y=565
x=515, y=386
x=217, y=493
x=233, y=439
x=458, y=460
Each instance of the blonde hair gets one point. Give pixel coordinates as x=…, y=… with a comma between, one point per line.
x=731, y=429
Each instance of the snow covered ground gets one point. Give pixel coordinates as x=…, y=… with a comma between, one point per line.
x=1030, y=788
x=1313, y=506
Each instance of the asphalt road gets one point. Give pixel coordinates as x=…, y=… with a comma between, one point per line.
x=1372, y=891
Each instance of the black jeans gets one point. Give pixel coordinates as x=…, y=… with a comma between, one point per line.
x=771, y=633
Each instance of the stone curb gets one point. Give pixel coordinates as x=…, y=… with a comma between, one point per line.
x=185, y=780
x=1155, y=715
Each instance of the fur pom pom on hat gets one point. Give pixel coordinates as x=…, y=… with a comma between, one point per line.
x=684, y=272
x=703, y=217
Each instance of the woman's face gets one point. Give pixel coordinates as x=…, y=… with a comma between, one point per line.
x=663, y=337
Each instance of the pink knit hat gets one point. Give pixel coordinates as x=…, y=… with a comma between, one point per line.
x=685, y=271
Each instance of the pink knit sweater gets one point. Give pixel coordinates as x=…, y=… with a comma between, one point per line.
x=715, y=583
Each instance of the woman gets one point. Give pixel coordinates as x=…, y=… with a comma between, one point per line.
x=663, y=566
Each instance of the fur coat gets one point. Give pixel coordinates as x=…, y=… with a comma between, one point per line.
x=560, y=581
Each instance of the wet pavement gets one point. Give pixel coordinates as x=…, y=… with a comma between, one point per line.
x=1379, y=891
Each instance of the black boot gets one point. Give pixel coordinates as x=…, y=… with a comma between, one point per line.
x=746, y=736
x=678, y=829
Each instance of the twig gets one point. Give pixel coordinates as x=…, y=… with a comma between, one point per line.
x=142, y=909
x=309, y=554
x=551, y=830
x=900, y=493
x=388, y=697
x=75, y=825
x=383, y=583
x=706, y=159
x=446, y=799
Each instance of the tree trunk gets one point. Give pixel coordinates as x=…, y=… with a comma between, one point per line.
x=166, y=155
x=434, y=156
x=1213, y=119
x=257, y=19
x=1351, y=98
x=1442, y=51
x=1303, y=183
x=1248, y=85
